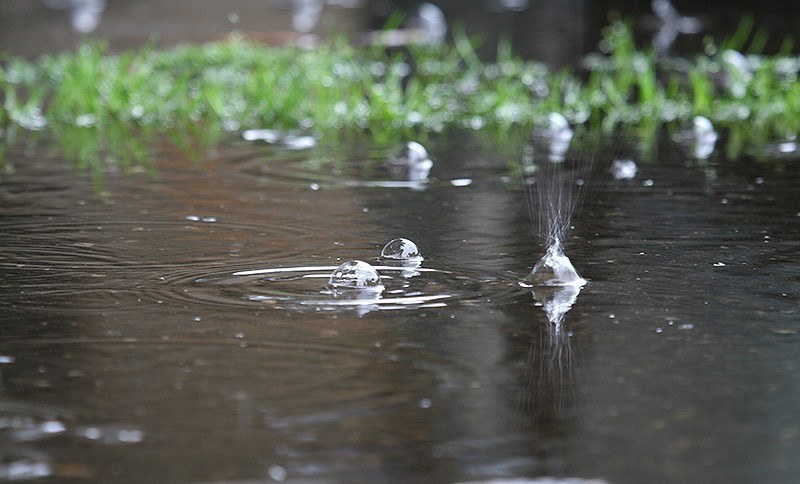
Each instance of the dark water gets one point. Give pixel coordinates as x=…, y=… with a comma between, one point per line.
x=130, y=352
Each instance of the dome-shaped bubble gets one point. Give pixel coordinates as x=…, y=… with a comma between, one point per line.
x=401, y=249
x=411, y=153
x=554, y=269
x=355, y=274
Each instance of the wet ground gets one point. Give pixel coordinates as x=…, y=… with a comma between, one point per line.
x=131, y=352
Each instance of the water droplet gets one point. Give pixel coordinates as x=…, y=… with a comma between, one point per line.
x=432, y=22
x=719, y=264
x=648, y=183
x=401, y=249
x=624, y=169
x=425, y=403
x=314, y=187
x=410, y=153
x=659, y=330
x=686, y=326
x=554, y=269
x=5, y=359
x=193, y=218
x=461, y=182
x=277, y=473
x=355, y=274
x=266, y=135
x=299, y=142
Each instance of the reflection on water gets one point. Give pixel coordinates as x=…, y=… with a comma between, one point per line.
x=177, y=327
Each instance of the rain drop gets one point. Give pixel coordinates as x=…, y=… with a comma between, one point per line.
x=624, y=169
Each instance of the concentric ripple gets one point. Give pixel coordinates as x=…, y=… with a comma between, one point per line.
x=304, y=288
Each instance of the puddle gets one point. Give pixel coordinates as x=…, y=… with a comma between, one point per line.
x=182, y=325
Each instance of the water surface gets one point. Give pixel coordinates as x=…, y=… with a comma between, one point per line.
x=131, y=352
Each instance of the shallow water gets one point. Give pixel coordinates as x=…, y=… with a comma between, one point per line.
x=137, y=347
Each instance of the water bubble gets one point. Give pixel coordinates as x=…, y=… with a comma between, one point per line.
x=402, y=250
x=266, y=135
x=554, y=269
x=410, y=153
x=432, y=23
x=277, y=473
x=411, y=162
x=355, y=274
x=624, y=169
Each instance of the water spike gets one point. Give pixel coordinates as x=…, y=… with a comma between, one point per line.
x=554, y=269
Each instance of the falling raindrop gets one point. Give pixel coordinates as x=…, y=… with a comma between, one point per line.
x=355, y=274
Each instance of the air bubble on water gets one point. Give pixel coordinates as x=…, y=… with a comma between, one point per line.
x=410, y=153
x=266, y=135
x=703, y=128
x=401, y=249
x=295, y=142
x=624, y=169
x=554, y=269
x=277, y=473
x=355, y=274
x=412, y=163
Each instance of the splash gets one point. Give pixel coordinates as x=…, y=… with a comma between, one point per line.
x=554, y=269
x=552, y=200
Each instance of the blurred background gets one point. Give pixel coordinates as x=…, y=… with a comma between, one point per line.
x=554, y=31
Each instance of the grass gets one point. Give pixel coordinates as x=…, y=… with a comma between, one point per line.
x=105, y=108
